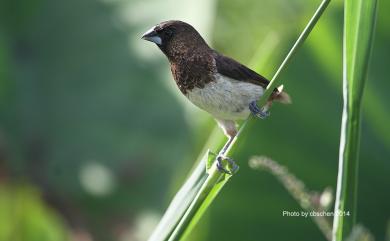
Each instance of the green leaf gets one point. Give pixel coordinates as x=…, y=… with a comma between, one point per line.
x=210, y=157
x=359, y=22
x=181, y=201
x=207, y=193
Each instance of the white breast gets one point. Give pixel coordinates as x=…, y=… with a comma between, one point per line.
x=226, y=98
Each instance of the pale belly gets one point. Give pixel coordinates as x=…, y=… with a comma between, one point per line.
x=226, y=98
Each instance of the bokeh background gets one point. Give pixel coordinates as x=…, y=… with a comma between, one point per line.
x=95, y=139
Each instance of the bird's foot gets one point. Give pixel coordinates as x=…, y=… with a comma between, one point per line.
x=232, y=167
x=256, y=111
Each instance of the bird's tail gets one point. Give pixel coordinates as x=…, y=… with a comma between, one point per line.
x=282, y=96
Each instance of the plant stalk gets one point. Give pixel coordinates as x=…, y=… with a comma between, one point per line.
x=359, y=23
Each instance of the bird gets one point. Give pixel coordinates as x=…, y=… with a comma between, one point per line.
x=215, y=83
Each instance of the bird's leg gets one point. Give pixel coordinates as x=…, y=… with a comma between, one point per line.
x=234, y=166
x=230, y=130
x=221, y=156
x=226, y=146
x=261, y=113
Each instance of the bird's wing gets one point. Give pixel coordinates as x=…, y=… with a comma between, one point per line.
x=233, y=69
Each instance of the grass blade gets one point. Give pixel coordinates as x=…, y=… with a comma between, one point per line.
x=180, y=203
x=207, y=193
x=359, y=21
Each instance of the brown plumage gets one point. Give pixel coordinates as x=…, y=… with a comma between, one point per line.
x=191, y=64
x=218, y=84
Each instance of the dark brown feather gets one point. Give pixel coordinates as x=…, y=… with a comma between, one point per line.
x=233, y=69
x=193, y=70
x=192, y=64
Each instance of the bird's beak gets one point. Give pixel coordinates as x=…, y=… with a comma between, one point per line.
x=152, y=36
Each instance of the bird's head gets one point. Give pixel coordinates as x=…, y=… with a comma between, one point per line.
x=175, y=38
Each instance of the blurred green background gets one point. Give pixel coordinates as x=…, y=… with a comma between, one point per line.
x=95, y=139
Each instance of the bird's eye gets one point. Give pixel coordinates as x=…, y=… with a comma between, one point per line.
x=168, y=32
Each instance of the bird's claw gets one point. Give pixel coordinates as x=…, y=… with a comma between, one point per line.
x=233, y=167
x=256, y=111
